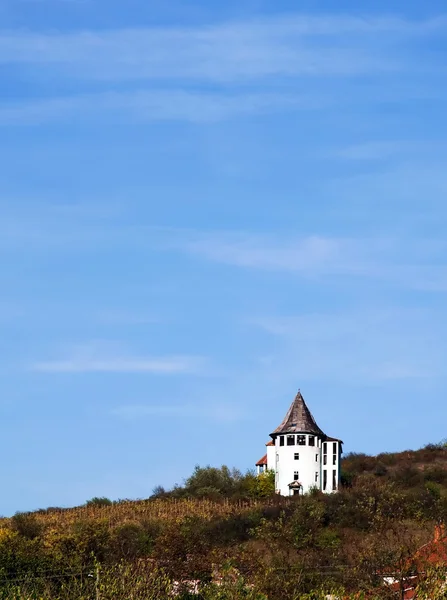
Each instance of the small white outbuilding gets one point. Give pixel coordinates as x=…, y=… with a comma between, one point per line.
x=302, y=456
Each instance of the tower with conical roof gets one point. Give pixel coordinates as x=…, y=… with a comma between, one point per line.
x=301, y=454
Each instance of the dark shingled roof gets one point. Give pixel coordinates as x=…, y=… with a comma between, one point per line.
x=298, y=419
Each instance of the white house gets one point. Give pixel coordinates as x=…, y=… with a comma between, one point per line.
x=302, y=456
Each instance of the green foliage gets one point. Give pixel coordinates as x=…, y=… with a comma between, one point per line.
x=436, y=473
x=228, y=534
x=102, y=501
x=26, y=525
x=221, y=483
x=380, y=470
x=408, y=469
x=232, y=586
x=263, y=485
x=92, y=538
x=130, y=541
x=212, y=482
x=407, y=476
x=159, y=492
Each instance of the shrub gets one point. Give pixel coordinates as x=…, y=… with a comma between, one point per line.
x=102, y=501
x=388, y=458
x=347, y=478
x=380, y=470
x=159, y=492
x=263, y=485
x=438, y=474
x=407, y=476
x=26, y=525
x=92, y=538
x=212, y=482
x=130, y=541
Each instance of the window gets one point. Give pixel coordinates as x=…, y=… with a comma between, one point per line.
x=334, y=480
x=311, y=440
x=316, y=477
x=296, y=456
x=325, y=447
x=281, y=440
x=324, y=480
x=334, y=446
x=290, y=440
x=334, y=459
x=316, y=457
x=324, y=459
x=301, y=440
x=296, y=476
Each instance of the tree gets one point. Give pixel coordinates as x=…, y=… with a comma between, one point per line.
x=99, y=501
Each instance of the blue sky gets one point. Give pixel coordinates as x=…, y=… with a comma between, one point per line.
x=204, y=207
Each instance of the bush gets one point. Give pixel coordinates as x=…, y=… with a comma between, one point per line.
x=388, y=458
x=159, y=492
x=358, y=462
x=407, y=476
x=263, y=485
x=380, y=470
x=26, y=525
x=213, y=482
x=92, y=538
x=130, y=541
x=103, y=501
x=437, y=474
x=347, y=478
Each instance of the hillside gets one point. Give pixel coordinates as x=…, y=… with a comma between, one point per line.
x=410, y=468
x=223, y=527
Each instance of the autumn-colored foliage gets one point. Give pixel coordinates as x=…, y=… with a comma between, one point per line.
x=227, y=536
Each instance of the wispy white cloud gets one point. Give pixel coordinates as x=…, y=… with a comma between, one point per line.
x=106, y=358
x=287, y=45
x=302, y=254
x=399, y=260
x=422, y=180
x=155, y=105
x=367, y=346
x=127, y=317
x=382, y=149
x=258, y=54
x=420, y=264
x=217, y=412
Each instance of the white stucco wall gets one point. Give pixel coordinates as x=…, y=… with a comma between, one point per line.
x=271, y=457
x=309, y=465
x=332, y=466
